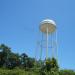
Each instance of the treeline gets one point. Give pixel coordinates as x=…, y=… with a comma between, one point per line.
x=10, y=60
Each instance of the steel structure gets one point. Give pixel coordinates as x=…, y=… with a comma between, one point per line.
x=48, y=28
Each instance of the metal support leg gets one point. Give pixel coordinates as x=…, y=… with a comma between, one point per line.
x=47, y=44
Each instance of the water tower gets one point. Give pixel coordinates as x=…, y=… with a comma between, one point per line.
x=48, y=29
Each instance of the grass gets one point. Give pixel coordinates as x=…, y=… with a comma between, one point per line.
x=16, y=71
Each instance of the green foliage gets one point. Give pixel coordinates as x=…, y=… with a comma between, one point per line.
x=67, y=72
x=51, y=63
x=15, y=64
x=12, y=72
x=10, y=60
x=17, y=71
x=50, y=67
x=4, y=55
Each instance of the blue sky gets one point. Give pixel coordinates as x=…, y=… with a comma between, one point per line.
x=19, y=26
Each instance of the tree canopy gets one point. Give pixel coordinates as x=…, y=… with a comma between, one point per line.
x=11, y=60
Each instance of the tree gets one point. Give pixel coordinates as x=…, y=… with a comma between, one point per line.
x=8, y=59
x=14, y=60
x=5, y=52
x=51, y=64
x=50, y=68
x=1, y=59
x=26, y=61
x=30, y=62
